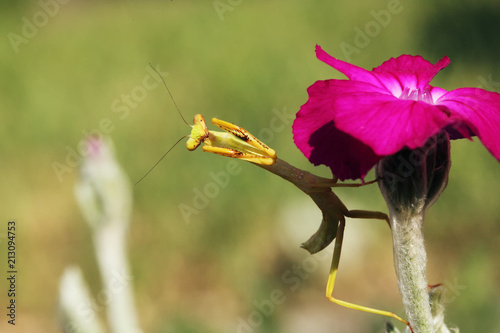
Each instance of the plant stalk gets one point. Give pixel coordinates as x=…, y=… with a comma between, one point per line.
x=410, y=262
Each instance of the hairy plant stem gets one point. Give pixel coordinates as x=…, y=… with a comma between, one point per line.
x=410, y=263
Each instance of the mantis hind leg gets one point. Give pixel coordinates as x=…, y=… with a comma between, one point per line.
x=335, y=265
x=367, y=214
x=325, y=182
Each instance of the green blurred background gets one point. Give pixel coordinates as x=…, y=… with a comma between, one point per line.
x=242, y=63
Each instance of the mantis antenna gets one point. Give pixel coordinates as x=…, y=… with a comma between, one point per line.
x=172, y=97
x=180, y=114
x=154, y=166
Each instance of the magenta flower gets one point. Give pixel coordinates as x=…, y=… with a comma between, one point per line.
x=349, y=125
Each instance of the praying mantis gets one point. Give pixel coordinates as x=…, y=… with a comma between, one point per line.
x=236, y=142
x=240, y=144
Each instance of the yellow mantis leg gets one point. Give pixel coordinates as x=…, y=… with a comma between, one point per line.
x=228, y=152
x=245, y=136
x=335, y=265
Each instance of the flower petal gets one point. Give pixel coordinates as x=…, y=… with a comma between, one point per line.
x=349, y=125
x=347, y=157
x=413, y=72
x=351, y=71
x=383, y=122
x=316, y=135
x=395, y=74
x=480, y=110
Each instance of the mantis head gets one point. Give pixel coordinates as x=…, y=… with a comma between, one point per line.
x=199, y=133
